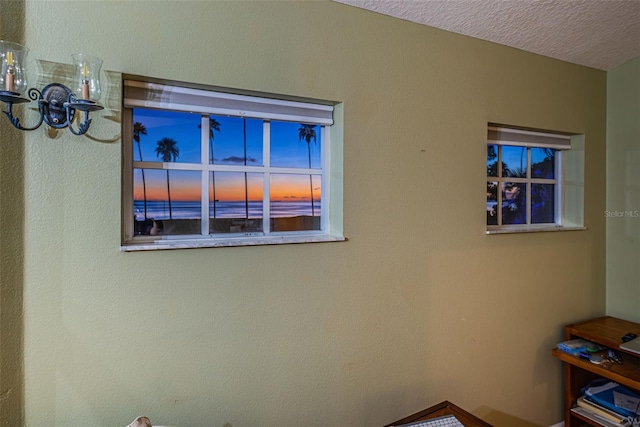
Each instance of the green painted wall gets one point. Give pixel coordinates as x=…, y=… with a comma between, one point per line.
x=12, y=223
x=417, y=307
x=623, y=191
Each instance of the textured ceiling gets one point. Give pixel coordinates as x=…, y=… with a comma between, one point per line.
x=600, y=34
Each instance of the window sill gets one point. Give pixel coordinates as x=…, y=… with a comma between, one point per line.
x=228, y=242
x=534, y=229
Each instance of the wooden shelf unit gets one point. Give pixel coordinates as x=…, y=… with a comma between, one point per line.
x=606, y=331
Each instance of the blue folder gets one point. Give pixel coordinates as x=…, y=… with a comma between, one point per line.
x=604, y=394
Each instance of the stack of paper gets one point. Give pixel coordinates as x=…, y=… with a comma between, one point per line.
x=600, y=411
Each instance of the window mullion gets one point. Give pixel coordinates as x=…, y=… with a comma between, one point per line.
x=204, y=175
x=528, y=216
x=294, y=171
x=325, y=155
x=514, y=179
x=499, y=189
x=559, y=210
x=266, y=182
x=171, y=166
x=128, y=172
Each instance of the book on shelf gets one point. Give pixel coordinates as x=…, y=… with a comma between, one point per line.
x=600, y=410
x=595, y=417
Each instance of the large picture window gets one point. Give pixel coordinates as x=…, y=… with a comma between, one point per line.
x=209, y=168
x=524, y=178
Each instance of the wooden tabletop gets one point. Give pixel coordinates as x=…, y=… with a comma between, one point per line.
x=443, y=408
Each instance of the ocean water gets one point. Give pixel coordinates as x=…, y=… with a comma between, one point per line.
x=191, y=210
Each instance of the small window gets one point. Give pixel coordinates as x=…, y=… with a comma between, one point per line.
x=210, y=168
x=524, y=179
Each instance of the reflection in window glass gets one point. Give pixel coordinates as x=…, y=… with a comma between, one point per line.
x=542, y=203
x=166, y=202
x=235, y=141
x=295, y=202
x=492, y=160
x=235, y=202
x=543, y=163
x=295, y=145
x=514, y=161
x=160, y=135
x=514, y=203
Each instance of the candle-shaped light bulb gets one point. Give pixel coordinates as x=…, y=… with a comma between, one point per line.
x=85, y=81
x=9, y=82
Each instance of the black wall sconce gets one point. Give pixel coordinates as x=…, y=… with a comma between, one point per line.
x=57, y=104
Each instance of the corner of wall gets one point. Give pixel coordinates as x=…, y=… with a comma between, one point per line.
x=623, y=191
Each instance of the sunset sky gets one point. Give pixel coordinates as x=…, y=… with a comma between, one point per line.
x=228, y=149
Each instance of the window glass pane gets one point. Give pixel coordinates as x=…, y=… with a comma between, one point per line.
x=236, y=141
x=492, y=160
x=543, y=203
x=235, y=202
x=295, y=202
x=543, y=163
x=514, y=161
x=295, y=145
x=161, y=136
x=492, y=202
x=514, y=203
x=166, y=202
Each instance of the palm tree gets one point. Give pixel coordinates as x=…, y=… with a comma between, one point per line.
x=214, y=126
x=138, y=130
x=308, y=133
x=169, y=152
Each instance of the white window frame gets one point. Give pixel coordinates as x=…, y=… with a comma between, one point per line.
x=144, y=93
x=500, y=135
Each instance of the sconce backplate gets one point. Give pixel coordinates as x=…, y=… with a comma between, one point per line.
x=55, y=114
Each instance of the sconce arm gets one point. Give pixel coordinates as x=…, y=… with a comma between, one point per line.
x=84, y=105
x=11, y=98
x=82, y=127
